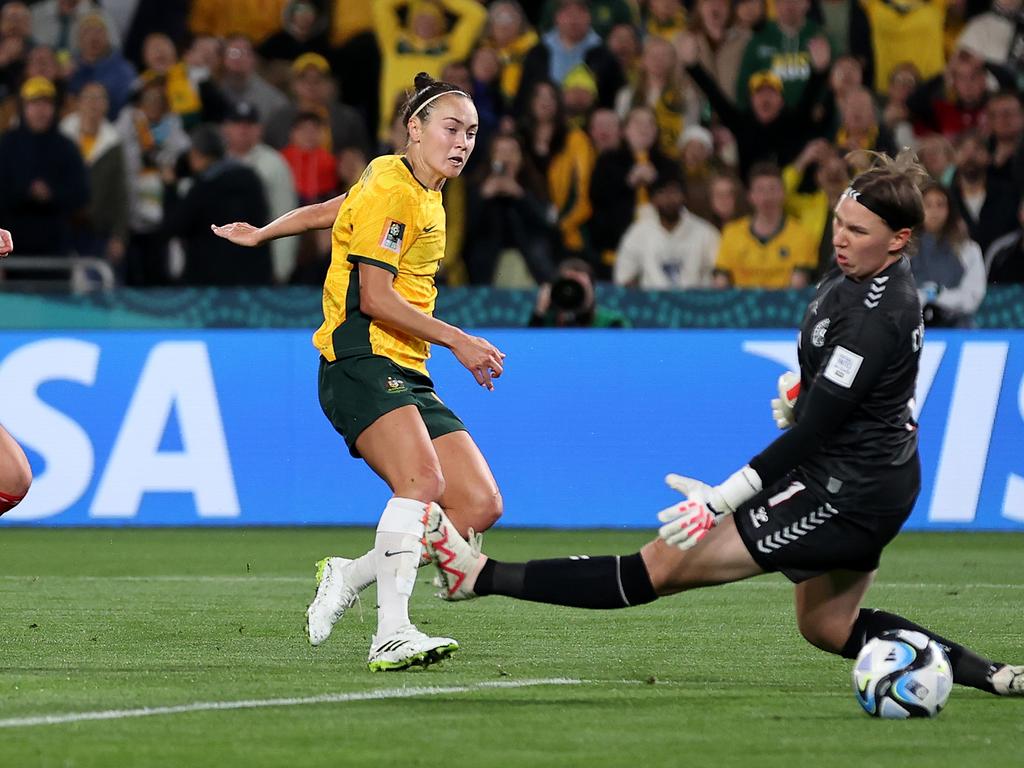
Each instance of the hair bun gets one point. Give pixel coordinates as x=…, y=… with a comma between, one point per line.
x=423, y=80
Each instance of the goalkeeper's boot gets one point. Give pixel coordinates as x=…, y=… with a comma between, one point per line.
x=408, y=647
x=334, y=595
x=1008, y=680
x=458, y=561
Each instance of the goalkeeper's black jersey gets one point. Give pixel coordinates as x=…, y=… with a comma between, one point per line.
x=860, y=342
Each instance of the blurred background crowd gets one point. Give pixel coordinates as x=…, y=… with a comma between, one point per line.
x=659, y=144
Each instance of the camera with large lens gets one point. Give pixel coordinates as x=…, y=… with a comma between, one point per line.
x=568, y=295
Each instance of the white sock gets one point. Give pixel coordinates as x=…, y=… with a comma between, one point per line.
x=363, y=571
x=396, y=553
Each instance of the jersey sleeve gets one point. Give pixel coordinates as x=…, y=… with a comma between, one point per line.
x=384, y=225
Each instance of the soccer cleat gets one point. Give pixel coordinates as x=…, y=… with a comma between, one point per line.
x=408, y=647
x=1009, y=680
x=333, y=597
x=458, y=561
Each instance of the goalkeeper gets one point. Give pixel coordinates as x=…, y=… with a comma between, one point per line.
x=821, y=501
x=15, y=473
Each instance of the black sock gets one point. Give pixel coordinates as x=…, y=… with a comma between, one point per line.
x=968, y=667
x=582, y=582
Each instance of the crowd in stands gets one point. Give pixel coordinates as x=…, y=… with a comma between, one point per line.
x=659, y=144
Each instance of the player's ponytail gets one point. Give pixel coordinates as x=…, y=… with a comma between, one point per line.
x=422, y=100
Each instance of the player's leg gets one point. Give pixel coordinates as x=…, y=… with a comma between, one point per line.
x=829, y=616
x=591, y=582
x=398, y=448
x=471, y=498
x=15, y=472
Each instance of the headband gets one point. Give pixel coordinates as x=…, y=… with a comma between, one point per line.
x=892, y=215
x=438, y=96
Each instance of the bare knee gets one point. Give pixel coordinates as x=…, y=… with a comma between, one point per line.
x=424, y=484
x=479, y=510
x=828, y=633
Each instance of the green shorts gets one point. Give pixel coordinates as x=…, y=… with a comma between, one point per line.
x=356, y=391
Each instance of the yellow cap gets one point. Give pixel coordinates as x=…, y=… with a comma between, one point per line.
x=37, y=88
x=765, y=79
x=314, y=60
x=580, y=76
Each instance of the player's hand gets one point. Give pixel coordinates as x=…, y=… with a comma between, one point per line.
x=700, y=492
x=239, y=233
x=480, y=357
x=782, y=406
x=6, y=243
x=685, y=524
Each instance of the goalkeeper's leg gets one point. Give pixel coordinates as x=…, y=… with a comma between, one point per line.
x=589, y=582
x=830, y=617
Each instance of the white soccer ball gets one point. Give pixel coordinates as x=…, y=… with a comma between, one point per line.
x=902, y=674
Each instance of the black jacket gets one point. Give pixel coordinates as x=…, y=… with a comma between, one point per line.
x=227, y=191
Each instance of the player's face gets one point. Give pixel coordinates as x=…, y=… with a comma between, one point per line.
x=863, y=241
x=449, y=135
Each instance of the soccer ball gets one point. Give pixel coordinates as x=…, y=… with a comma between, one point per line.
x=902, y=674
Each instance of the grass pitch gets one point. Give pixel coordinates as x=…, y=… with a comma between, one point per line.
x=116, y=624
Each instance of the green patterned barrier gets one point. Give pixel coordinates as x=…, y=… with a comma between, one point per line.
x=477, y=307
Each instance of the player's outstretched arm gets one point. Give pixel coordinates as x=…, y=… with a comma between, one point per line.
x=295, y=222
x=6, y=243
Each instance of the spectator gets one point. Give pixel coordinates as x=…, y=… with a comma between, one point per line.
x=987, y=203
x=952, y=103
x=240, y=82
x=222, y=190
x=697, y=158
x=859, y=128
x=354, y=49
x=484, y=72
x=664, y=19
x=566, y=159
x=938, y=157
x=1005, y=115
x=948, y=266
x=98, y=61
x=55, y=23
x=845, y=77
x=776, y=133
x=767, y=249
x=623, y=43
x=571, y=301
x=243, y=142
x=138, y=19
x=422, y=43
x=604, y=130
x=153, y=138
x=835, y=17
x=660, y=87
x=720, y=44
x=15, y=42
x=302, y=31
x=626, y=175
x=509, y=33
x=895, y=115
x=781, y=47
x=44, y=177
x=672, y=249
x=191, y=93
x=571, y=43
x=103, y=229
x=725, y=200
x=606, y=14
x=313, y=167
x=997, y=35
x=1004, y=260
x=884, y=35
x=813, y=208
x=254, y=20
x=750, y=15
x=313, y=90
x=508, y=208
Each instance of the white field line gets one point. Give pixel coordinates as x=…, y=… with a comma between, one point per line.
x=306, y=580
x=327, y=698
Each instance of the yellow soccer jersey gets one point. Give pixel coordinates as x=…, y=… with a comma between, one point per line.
x=754, y=263
x=391, y=221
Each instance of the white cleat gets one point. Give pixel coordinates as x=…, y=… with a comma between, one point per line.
x=408, y=647
x=1008, y=680
x=458, y=561
x=333, y=597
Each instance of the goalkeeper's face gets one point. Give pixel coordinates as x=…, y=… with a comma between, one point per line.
x=864, y=243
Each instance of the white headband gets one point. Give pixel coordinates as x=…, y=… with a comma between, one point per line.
x=438, y=96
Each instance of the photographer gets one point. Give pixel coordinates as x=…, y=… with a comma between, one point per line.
x=570, y=302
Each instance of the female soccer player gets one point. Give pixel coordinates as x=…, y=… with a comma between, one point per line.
x=388, y=239
x=820, y=502
x=15, y=473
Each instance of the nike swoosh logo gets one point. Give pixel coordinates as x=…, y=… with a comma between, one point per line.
x=389, y=553
x=430, y=228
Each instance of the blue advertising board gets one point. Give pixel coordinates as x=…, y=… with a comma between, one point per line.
x=224, y=428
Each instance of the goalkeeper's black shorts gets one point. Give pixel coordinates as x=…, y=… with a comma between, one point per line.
x=788, y=528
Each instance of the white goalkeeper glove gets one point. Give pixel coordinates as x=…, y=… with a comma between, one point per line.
x=782, y=406
x=688, y=522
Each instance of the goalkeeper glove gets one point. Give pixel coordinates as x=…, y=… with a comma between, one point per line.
x=688, y=522
x=782, y=406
